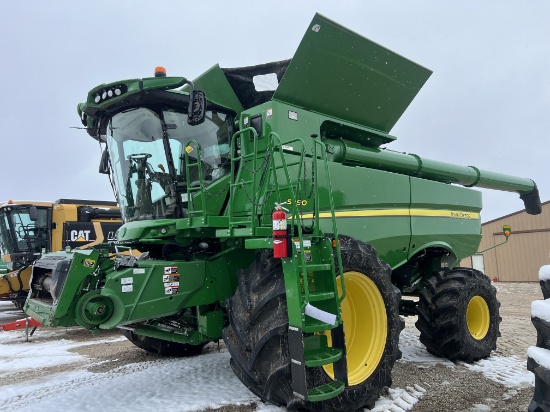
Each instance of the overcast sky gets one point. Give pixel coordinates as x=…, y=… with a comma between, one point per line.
x=486, y=104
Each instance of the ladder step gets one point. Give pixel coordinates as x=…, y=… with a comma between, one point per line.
x=327, y=391
x=313, y=325
x=318, y=267
x=323, y=356
x=317, y=296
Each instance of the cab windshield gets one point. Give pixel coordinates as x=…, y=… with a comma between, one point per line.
x=18, y=233
x=147, y=152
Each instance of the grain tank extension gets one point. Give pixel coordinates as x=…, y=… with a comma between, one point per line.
x=308, y=301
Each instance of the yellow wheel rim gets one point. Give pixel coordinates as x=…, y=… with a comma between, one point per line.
x=478, y=317
x=365, y=327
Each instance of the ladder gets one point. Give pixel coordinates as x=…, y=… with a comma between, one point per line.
x=313, y=298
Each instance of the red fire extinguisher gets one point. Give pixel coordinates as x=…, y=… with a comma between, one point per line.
x=280, y=238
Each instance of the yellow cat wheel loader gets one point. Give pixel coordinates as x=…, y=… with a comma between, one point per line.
x=30, y=228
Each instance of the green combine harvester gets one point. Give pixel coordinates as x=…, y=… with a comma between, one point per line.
x=308, y=299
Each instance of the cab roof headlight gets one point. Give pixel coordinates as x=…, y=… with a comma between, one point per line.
x=118, y=92
x=110, y=93
x=97, y=98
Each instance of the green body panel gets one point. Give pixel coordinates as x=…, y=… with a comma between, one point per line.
x=61, y=313
x=162, y=287
x=214, y=83
x=458, y=229
x=366, y=201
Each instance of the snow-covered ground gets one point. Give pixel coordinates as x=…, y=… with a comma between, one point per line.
x=190, y=384
x=72, y=371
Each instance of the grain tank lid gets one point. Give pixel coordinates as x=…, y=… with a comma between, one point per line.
x=339, y=73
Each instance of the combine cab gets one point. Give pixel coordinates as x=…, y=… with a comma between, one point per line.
x=270, y=216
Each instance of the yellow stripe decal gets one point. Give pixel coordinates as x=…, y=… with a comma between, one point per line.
x=453, y=214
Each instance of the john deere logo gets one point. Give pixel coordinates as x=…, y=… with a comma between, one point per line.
x=80, y=235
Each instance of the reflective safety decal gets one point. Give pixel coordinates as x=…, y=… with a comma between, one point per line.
x=188, y=149
x=127, y=288
x=139, y=271
x=171, y=278
x=89, y=263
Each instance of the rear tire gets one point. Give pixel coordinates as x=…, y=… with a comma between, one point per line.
x=458, y=315
x=256, y=336
x=162, y=347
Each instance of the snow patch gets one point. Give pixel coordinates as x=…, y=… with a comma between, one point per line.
x=192, y=384
x=479, y=407
x=544, y=273
x=507, y=370
x=16, y=354
x=208, y=379
x=399, y=400
x=510, y=393
x=541, y=309
x=414, y=351
x=540, y=355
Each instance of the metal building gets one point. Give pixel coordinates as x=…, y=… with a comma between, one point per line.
x=527, y=249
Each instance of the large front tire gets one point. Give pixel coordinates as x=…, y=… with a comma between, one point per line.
x=458, y=315
x=258, y=327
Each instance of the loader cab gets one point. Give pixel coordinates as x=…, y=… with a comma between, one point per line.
x=24, y=232
x=147, y=149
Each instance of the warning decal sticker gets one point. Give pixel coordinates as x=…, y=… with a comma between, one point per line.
x=171, y=280
x=171, y=290
x=168, y=270
x=127, y=284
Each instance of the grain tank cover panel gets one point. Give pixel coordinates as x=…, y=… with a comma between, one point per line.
x=241, y=80
x=342, y=74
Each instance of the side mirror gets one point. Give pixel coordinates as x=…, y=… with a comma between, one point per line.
x=33, y=214
x=104, y=162
x=197, y=108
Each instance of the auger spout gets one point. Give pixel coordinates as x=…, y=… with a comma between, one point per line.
x=413, y=165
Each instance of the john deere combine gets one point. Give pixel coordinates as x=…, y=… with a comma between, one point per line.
x=30, y=228
x=308, y=302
